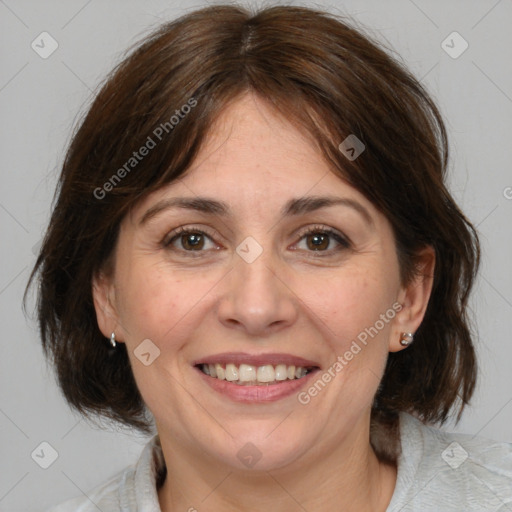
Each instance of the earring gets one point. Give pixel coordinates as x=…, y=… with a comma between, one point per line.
x=113, y=340
x=406, y=338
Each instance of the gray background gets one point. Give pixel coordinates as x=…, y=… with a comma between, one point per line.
x=40, y=100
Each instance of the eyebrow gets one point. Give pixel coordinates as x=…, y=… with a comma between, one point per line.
x=293, y=207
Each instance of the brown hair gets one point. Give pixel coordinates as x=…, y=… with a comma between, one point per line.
x=329, y=80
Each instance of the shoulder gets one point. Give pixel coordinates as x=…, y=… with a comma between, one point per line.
x=105, y=497
x=443, y=471
x=130, y=490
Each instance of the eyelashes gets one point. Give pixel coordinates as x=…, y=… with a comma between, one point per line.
x=184, y=233
x=194, y=241
x=321, y=233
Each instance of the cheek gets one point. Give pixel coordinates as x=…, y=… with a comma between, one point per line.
x=355, y=305
x=147, y=302
x=160, y=303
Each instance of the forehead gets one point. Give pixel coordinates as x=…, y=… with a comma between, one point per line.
x=250, y=139
x=255, y=161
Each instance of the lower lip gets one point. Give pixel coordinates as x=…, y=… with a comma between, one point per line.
x=252, y=394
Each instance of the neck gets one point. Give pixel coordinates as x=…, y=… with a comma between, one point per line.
x=346, y=476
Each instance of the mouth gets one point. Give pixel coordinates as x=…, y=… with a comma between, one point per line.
x=251, y=375
x=255, y=378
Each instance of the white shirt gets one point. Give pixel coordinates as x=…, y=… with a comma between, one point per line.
x=437, y=472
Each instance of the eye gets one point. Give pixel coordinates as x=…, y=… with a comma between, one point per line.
x=190, y=240
x=320, y=238
x=194, y=240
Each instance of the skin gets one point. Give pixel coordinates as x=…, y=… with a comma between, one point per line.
x=292, y=298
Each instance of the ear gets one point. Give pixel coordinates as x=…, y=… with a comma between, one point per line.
x=414, y=298
x=103, y=294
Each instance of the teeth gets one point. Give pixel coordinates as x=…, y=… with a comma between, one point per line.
x=247, y=373
x=231, y=372
x=250, y=374
x=266, y=374
x=221, y=373
x=281, y=373
x=300, y=372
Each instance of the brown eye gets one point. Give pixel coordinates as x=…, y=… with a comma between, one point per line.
x=189, y=240
x=192, y=241
x=318, y=242
x=324, y=240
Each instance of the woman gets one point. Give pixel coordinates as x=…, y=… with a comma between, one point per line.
x=253, y=250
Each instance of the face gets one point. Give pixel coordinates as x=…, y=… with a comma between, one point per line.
x=254, y=281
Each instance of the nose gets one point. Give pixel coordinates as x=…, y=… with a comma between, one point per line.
x=256, y=299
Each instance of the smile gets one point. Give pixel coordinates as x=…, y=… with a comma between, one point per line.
x=252, y=375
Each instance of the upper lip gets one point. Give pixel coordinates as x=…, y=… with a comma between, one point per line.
x=239, y=358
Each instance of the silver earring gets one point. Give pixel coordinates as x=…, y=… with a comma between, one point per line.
x=113, y=339
x=406, y=338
